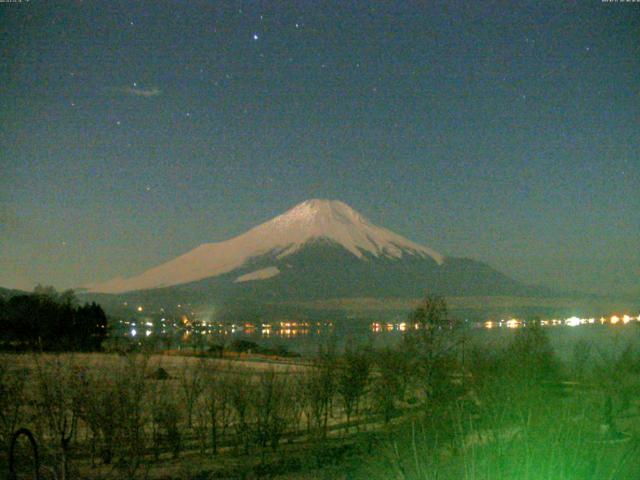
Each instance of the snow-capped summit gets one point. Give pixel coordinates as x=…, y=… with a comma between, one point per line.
x=336, y=221
x=283, y=235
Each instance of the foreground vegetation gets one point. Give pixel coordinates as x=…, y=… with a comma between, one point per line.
x=430, y=408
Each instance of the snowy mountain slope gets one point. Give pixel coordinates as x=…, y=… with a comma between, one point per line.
x=261, y=274
x=329, y=220
x=270, y=288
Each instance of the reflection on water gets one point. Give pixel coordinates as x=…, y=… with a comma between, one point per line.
x=378, y=327
x=304, y=336
x=345, y=328
x=292, y=328
x=555, y=322
x=284, y=329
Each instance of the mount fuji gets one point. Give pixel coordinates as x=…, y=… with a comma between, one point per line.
x=319, y=249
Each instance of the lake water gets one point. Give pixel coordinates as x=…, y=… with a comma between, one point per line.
x=307, y=338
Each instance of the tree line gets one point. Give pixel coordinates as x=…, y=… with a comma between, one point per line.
x=51, y=321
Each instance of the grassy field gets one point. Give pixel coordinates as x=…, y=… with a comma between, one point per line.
x=150, y=415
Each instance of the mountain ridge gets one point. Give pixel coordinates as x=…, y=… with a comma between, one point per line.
x=282, y=235
x=317, y=250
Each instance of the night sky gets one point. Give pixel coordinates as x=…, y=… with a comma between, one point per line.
x=504, y=131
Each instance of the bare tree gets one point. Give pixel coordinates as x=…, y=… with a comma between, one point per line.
x=320, y=383
x=352, y=379
x=12, y=396
x=98, y=415
x=217, y=397
x=297, y=398
x=389, y=381
x=58, y=403
x=192, y=385
x=240, y=393
x=166, y=421
x=432, y=342
x=270, y=403
x=128, y=407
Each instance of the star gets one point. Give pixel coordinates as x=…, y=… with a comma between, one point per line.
x=255, y=36
x=118, y=122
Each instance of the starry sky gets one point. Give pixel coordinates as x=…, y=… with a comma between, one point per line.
x=504, y=131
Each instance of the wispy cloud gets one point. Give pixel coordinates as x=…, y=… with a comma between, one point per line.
x=143, y=92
